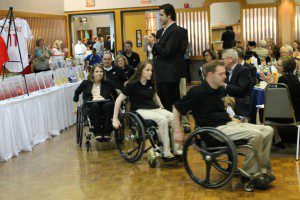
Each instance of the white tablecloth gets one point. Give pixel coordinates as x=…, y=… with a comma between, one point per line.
x=31, y=120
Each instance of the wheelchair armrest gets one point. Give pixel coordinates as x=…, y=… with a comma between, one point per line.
x=97, y=101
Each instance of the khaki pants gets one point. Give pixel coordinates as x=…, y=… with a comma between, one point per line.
x=259, y=137
x=163, y=119
x=182, y=89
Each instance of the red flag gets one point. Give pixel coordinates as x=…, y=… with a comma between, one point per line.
x=3, y=53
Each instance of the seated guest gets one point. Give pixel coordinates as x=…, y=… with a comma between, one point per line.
x=252, y=69
x=286, y=50
x=274, y=54
x=132, y=57
x=261, y=49
x=296, y=48
x=94, y=89
x=113, y=74
x=270, y=42
x=292, y=81
x=251, y=56
x=205, y=102
x=141, y=90
x=238, y=84
x=208, y=55
x=121, y=61
x=93, y=58
x=274, y=71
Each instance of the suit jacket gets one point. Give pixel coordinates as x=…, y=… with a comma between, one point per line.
x=168, y=61
x=293, y=84
x=228, y=39
x=240, y=87
x=253, y=72
x=107, y=91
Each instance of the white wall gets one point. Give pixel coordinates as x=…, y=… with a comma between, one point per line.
x=93, y=21
x=35, y=6
x=226, y=12
x=74, y=5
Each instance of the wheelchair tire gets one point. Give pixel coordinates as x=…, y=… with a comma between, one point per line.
x=80, y=128
x=130, y=132
x=78, y=124
x=211, y=158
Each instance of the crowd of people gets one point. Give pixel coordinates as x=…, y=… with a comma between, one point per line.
x=157, y=89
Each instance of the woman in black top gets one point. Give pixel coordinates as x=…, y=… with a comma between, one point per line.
x=141, y=90
x=122, y=62
x=96, y=88
x=208, y=55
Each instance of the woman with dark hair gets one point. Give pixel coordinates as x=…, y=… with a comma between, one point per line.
x=208, y=55
x=274, y=54
x=296, y=48
x=97, y=89
x=141, y=90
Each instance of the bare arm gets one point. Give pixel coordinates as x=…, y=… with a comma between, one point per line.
x=120, y=99
x=157, y=100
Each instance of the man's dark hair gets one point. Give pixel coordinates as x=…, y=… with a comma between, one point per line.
x=169, y=11
x=128, y=42
x=211, y=66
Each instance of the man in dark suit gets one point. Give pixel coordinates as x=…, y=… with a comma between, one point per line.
x=168, y=60
x=252, y=69
x=228, y=38
x=238, y=83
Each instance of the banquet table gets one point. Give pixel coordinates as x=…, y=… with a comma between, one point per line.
x=29, y=120
x=258, y=98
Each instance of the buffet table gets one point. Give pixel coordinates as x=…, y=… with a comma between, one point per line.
x=29, y=120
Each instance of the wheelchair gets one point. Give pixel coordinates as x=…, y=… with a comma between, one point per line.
x=83, y=121
x=211, y=159
x=132, y=136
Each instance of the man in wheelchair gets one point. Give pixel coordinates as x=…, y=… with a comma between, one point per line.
x=141, y=90
x=98, y=97
x=205, y=102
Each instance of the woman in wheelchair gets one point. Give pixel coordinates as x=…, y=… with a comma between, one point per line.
x=141, y=90
x=98, y=96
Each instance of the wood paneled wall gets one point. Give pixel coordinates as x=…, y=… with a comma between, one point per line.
x=51, y=27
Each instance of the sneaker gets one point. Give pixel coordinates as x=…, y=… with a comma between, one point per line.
x=106, y=138
x=99, y=138
x=270, y=175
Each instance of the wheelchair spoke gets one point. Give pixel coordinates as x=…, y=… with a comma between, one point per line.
x=223, y=161
x=199, y=149
x=130, y=152
x=208, y=168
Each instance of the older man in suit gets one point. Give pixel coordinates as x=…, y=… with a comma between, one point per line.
x=238, y=83
x=168, y=61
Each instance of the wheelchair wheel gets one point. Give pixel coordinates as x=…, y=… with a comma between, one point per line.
x=130, y=138
x=79, y=127
x=209, y=157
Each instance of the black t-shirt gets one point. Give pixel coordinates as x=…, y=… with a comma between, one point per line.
x=140, y=96
x=206, y=105
x=117, y=77
x=133, y=60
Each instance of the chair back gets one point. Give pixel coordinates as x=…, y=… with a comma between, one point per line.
x=278, y=102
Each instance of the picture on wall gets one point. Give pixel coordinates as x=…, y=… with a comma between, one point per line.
x=138, y=38
x=90, y=3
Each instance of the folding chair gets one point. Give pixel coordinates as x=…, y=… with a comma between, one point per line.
x=278, y=105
